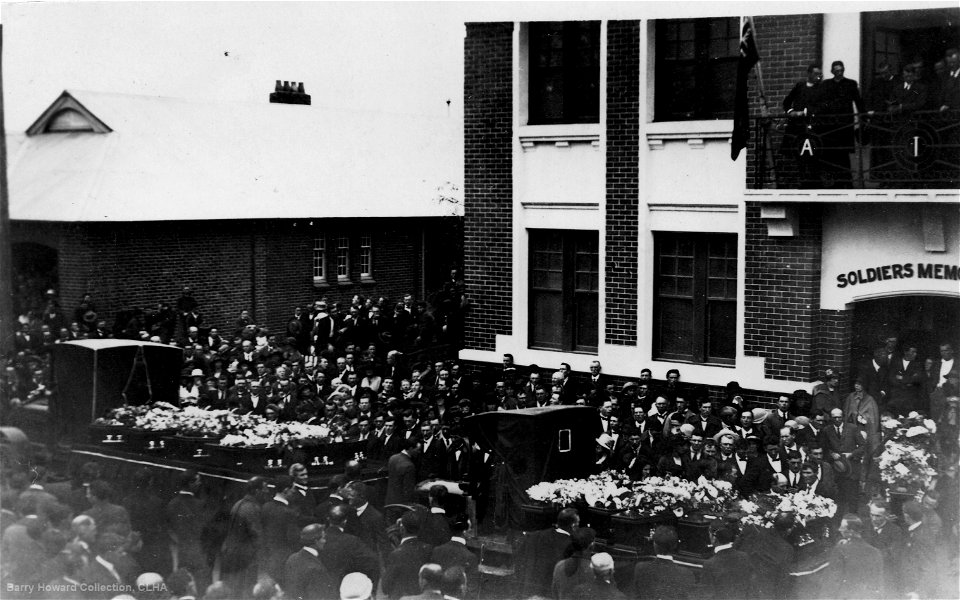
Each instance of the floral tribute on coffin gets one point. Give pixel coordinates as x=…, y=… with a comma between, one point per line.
x=811, y=514
x=906, y=463
x=623, y=510
x=234, y=439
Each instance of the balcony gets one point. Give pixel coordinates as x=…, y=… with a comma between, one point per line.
x=883, y=151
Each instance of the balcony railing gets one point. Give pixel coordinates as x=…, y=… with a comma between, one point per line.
x=919, y=150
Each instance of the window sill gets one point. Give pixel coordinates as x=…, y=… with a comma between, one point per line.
x=680, y=361
x=321, y=285
x=693, y=132
x=561, y=135
x=368, y=281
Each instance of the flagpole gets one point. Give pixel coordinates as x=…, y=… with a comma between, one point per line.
x=764, y=109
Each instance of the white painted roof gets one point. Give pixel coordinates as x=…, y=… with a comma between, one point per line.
x=168, y=159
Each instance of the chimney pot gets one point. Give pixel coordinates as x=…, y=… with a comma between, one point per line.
x=279, y=87
x=286, y=86
x=300, y=88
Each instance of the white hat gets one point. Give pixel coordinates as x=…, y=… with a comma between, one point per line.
x=606, y=441
x=601, y=561
x=196, y=373
x=356, y=586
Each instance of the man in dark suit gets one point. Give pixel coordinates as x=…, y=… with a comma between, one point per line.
x=241, y=548
x=185, y=518
x=596, y=385
x=401, y=575
x=344, y=553
x=402, y=474
x=843, y=442
x=908, y=93
x=663, y=578
x=434, y=529
x=726, y=574
x=875, y=375
x=305, y=576
x=692, y=457
x=905, y=377
x=705, y=422
x=838, y=99
x=302, y=498
x=762, y=468
x=539, y=552
x=886, y=536
x=855, y=567
x=950, y=81
x=430, y=582
x=920, y=564
x=100, y=575
x=433, y=461
x=104, y=511
x=369, y=525
x=810, y=481
x=281, y=529
x=455, y=552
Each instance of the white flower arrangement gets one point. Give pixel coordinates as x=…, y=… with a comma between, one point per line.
x=805, y=506
x=606, y=490
x=904, y=465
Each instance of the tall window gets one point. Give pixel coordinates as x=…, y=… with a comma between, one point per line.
x=366, y=256
x=564, y=285
x=319, y=259
x=564, y=72
x=696, y=68
x=696, y=297
x=343, y=258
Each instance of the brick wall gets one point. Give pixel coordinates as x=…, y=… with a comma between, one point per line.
x=488, y=181
x=834, y=336
x=782, y=295
x=264, y=267
x=787, y=44
x=622, y=176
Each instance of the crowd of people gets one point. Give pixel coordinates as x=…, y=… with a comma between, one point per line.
x=346, y=367
x=282, y=539
x=840, y=118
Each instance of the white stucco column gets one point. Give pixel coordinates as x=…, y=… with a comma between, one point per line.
x=841, y=41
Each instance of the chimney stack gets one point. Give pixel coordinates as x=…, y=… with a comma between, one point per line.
x=290, y=92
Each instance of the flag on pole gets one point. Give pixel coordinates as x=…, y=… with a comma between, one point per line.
x=741, y=110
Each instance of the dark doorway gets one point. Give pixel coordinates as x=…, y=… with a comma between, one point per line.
x=924, y=321
x=34, y=272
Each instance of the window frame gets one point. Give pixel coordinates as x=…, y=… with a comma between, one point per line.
x=343, y=253
x=707, y=68
x=703, y=302
x=319, y=259
x=574, y=71
x=574, y=298
x=366, y=256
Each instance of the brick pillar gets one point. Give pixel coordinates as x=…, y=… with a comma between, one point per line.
x=834, y=336
x=623, y=180
x=488, y=181
x=782, y=296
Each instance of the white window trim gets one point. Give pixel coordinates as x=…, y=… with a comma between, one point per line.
x=320, y=246
x=346, y=249
x=366, y=255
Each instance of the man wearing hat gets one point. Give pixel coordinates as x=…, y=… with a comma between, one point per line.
x=761, y=469
x=305, y=576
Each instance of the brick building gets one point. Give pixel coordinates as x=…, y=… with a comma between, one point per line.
x=258, y=207
x=605, y=220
